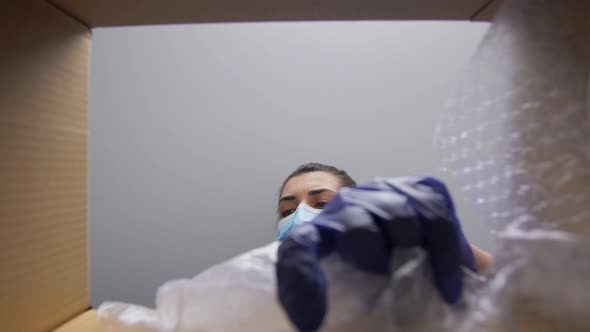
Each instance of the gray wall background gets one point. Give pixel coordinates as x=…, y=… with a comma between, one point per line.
x=193, y=128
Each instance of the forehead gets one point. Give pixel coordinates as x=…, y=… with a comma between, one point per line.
x=310, y=181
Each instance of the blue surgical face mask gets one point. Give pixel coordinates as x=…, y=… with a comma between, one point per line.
x=304, y=213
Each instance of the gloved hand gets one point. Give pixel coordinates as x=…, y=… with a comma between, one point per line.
x=364, y=225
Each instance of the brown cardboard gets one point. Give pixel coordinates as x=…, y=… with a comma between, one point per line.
x=487, y=11
x=43, y=148
x=86, y=322
x=97, y=13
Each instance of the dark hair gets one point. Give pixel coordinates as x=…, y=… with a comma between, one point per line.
x=345, y=179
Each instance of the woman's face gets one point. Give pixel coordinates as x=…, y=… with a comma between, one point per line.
x=314, y=189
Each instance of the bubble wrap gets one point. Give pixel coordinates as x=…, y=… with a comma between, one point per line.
x=517, y=132
x=517, y=137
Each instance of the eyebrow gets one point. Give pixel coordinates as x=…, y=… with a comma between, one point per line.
x=319, y=191
x=287, y=198
x=314, y=192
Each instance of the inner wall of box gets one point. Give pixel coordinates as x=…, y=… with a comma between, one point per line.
x=43, y=169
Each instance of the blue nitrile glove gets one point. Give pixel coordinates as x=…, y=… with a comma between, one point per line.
x=364, y=225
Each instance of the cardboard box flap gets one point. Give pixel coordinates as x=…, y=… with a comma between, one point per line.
x=100, y=13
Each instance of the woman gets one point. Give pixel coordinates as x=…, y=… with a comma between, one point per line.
x=322, y=211
x=312, y=186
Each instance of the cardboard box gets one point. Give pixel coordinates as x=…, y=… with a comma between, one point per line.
x=44, y=71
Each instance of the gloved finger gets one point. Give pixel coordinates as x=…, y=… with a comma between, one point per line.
x=301, y=283
x=428, y=196
x=368, y=221
x=376, y=197
x=361, y=242
x=443, y=238
x=444, y=248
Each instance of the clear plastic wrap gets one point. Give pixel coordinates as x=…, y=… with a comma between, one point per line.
x=239, y=295
x=517, y=136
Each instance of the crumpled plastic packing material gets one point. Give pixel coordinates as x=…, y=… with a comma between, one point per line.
x=516, y=135
x=239, y=295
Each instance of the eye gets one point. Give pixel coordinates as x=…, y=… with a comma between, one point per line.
x=287, y=212
x=320, y=205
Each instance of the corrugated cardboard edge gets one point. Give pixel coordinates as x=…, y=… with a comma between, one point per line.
x=487, y=12
x=43, y=166
x=101, y=13
x=86, y=322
